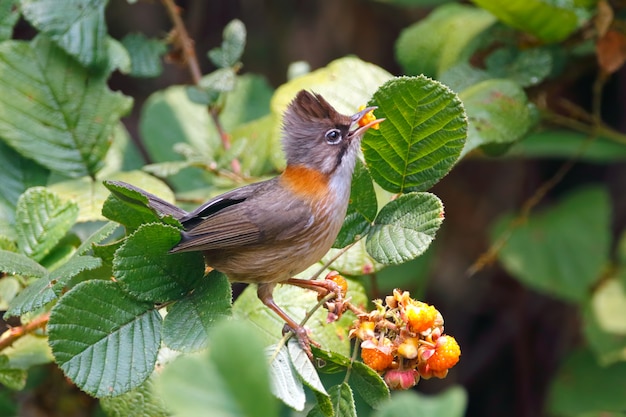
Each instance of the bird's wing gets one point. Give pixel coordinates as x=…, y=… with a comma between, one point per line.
x=246, y=216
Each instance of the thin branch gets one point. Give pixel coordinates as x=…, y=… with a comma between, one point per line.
x=20, y=331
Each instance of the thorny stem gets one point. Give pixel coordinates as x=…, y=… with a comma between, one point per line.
x=186, y=45
x=20, y=331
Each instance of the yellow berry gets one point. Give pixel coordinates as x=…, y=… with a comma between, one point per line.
x=339, y=280
x=420, y=316
x=368, y=117
x=447, y=352
x=408, y=348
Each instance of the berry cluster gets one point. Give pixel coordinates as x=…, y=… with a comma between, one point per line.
x=403, y=340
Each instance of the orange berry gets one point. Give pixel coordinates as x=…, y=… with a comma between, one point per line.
x=420, y=316
x=339, y=280
x=368, y=117
x=376, y=357
x=447, y=352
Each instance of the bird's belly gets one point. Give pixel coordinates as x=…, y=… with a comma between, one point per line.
x=280, y=260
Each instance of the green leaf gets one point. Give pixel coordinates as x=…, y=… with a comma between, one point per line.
x=28, y=351
x=208, y=90
x=285, y=384
x=405, y=227
x=35, y=296
x=361, y=209
x=498, y=112
x=450, y=403
x=527, y=67
x=10, y=377
x=331, y=362
x=232, y=47
x=41, y=221
x=18, y=264
x=145, y=55
x=18, y=174
x=77, y=26
x=189, y=321
x=563, y=250
x=77, y=264
x=303, y=366
x=97, y=237
x=9, y=15
x=608, y=345
x=231, y=380
x=369, y=385
x=139, y=402
x=421, y=138
x=53, y=110
x=9, y=287
x=105, y=341
x=130, y=207
x=549, y=20
x=446, y=37
x=343, y=400
x=355, y=261
x=346, y=83
x=143, y=266
x=583, y=386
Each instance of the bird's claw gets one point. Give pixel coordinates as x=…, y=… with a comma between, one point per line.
x=304, y=340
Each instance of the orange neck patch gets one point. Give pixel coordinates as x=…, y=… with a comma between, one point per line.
x=305, y=182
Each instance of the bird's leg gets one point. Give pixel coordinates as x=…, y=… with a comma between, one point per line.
x=322, y=286
x=264, y=292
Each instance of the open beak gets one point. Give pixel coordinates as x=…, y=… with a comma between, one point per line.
x=360, y=131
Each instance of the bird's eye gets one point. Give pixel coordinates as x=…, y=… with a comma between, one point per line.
x=333, y=136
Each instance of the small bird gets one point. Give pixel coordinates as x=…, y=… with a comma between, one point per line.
x=267, y=232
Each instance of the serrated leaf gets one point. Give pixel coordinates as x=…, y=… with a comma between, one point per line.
x=405, y=228
x=139, y=402
x=105, y=341
x=498, y=112
x=65, y=114
x=369, y=385
x=75, y=265
x=445, y=38
x=77, y=26
x=143, y=266
x=549, y=20
x=35, y=296
x=146, y=54
x=130, y=207
x=343, y=400
x=18, y=264
x=233, y=44
x=421, y=138
x=41, y=221
x=286, y=386
x=9, y=14
x=231, y=380
x=188, y=323
x=563, y=250
x=97, y=237
x=362, y=208
x=449, y=403
x=303, y=366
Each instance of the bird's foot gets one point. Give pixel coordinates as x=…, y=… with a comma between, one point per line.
x=304, y=339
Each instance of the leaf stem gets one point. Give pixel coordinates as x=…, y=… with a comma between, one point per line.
x=20, y=331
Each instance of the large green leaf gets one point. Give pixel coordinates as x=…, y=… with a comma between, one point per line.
x=9, y=14
x=105, y=341
x=498, y=112
x=77, y=26
x=53, y=111
x=369, y=384
x=563, y=250
x=583, y=386
x=18, y=264
x=188, y=323
x=446, y=37
x=230, y=380
x=405, y=228
x=421, y=138
x=361, y=209
x=549, y=20
x=144, y=268
x=449, y=403
x=285, y=383
x=41, y=221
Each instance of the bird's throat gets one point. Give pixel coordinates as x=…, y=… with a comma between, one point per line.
x=305, y=182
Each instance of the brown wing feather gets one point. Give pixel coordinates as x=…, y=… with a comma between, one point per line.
x=258, y=215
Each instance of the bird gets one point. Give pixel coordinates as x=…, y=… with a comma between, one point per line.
x=267, y=232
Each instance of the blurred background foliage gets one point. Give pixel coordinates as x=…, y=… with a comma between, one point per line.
x=541, y=319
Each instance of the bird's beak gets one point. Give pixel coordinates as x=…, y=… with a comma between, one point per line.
x=360, y=131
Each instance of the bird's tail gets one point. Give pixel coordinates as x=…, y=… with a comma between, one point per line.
x=136, y=196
